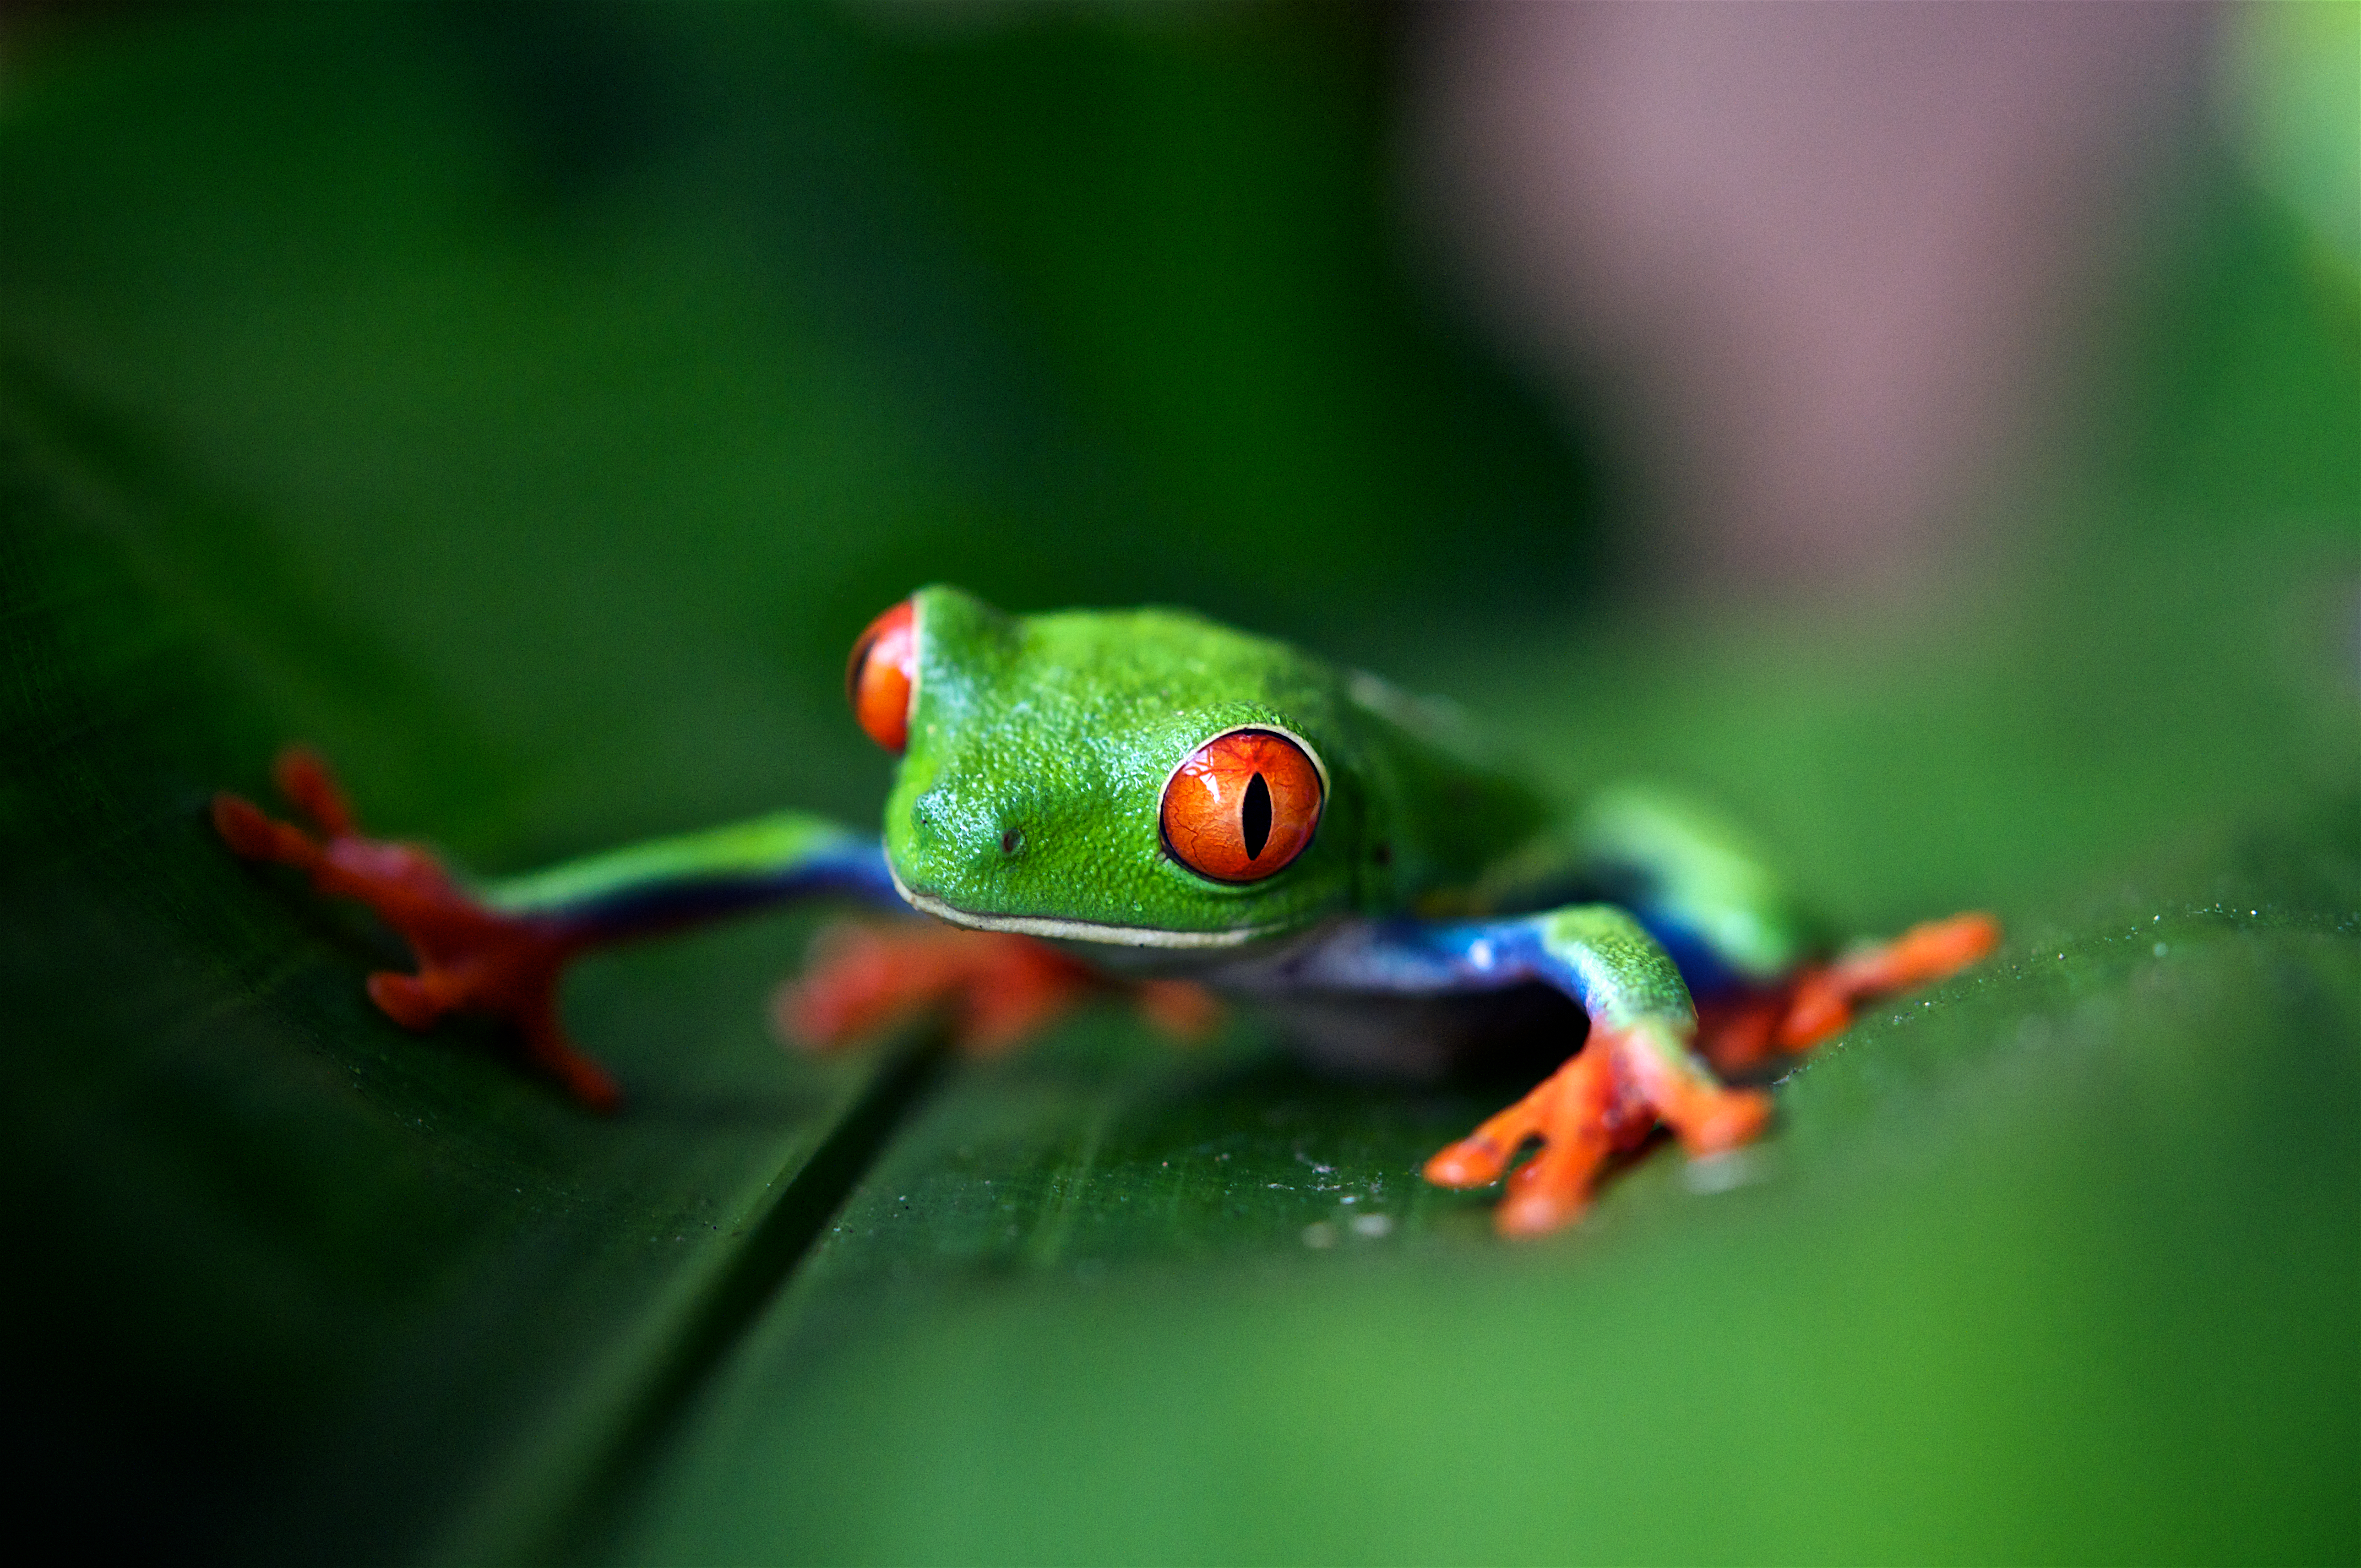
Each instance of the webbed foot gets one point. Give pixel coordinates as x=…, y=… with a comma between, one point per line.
x=996, y=988
x=470, y=957
x=1609, y=1097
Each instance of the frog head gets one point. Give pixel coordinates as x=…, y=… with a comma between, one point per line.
x=1141, y=779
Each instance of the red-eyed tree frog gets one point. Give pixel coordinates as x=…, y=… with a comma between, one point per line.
x=1146, y=800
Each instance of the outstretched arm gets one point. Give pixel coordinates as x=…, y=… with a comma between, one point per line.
x=500, y=947
x=1636, y=1070
x=667, y=882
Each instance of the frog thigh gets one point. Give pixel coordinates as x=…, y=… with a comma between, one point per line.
x=1696, y=881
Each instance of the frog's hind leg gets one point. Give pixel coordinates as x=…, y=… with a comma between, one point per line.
x=1741, y=942
x=1742, y=1027
x=1821, y=1000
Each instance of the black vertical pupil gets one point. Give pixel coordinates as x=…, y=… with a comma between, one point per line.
x=1254, y=815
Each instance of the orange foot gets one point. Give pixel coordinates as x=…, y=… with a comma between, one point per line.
x=997, y=988
x=1823, y=999
x=1739, y=1032
x=1610, y=1096
x=470, y=958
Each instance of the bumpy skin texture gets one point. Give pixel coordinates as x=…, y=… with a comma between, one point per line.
x=1027, y=808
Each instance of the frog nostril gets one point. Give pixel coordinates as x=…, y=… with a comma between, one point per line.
x=928, y=817
x=1012, y=840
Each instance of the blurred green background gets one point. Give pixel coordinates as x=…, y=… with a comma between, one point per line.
x=529, y=407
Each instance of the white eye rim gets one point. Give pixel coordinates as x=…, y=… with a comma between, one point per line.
x=1300, y=744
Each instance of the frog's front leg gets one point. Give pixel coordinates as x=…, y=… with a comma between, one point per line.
x=500, y=947
x=1636, y=1069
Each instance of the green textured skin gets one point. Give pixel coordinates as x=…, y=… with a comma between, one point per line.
x=1629, y=976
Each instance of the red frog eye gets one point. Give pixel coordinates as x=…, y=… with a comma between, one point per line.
x=882, y=675
x=1242, y=806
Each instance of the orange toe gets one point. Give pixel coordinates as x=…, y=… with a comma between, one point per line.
x=1574, y=1112
x=1551, y=1190
x=1470, y=1162
x=1734, y=1117
x=1611, y=1095
x=1933, y=950
x=405, y=999
x=254, y=836
x=584, y=1079
x=305, y=777
x=1549, y=1194
x=1817, y=1009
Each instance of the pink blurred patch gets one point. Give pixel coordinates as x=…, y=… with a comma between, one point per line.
x=1826, y=264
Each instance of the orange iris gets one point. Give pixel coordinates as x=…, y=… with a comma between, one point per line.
x=1242, y=806
x=885, y=668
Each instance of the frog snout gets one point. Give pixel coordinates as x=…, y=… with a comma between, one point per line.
x=951, y=833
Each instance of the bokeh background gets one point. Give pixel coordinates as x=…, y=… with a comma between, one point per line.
x=1932, y=431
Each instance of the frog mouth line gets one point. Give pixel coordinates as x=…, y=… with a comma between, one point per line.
x=1072, y=930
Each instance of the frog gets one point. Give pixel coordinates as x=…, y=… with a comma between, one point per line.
x=1150, y=803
